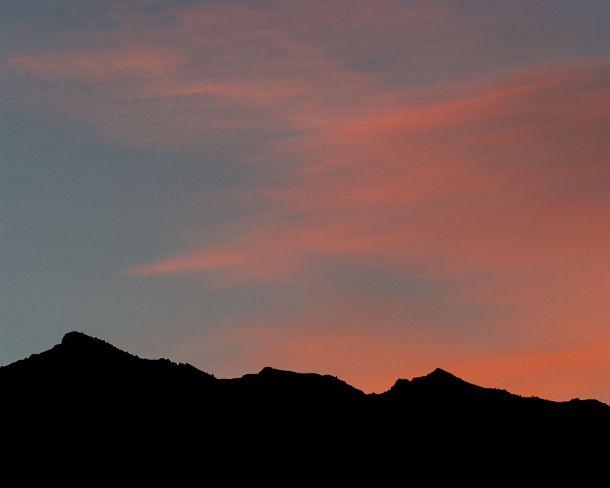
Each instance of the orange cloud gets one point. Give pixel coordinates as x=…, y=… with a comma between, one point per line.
x=559, y=373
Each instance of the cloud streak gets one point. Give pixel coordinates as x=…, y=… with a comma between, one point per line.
x=99, y=66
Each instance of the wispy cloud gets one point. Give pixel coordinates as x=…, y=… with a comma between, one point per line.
x=509, y=173
x=99, y=65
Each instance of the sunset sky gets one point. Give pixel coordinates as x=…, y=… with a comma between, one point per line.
x=366, y=188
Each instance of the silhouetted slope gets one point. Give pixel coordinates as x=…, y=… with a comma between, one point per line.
x=302, y=387
x=91, y=366
x=444, y=388
x=87, y=382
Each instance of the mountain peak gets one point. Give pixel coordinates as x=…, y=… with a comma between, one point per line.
x=441, y=378
x=80, y=340
x=268, y=370
x=439, y=373
x=83, y=346
x=75, y=337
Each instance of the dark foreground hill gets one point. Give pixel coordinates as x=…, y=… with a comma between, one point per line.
x=93, y=395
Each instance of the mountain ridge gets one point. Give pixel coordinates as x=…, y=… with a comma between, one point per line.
x=104, y=400
x=78, y=346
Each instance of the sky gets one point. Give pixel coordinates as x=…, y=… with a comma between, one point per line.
x=367, y=188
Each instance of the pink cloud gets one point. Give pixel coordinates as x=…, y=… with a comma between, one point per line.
x=506, y=174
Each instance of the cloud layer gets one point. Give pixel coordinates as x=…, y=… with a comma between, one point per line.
x=410, y=206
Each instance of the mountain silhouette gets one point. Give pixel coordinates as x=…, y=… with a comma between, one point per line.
x=97, y=395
